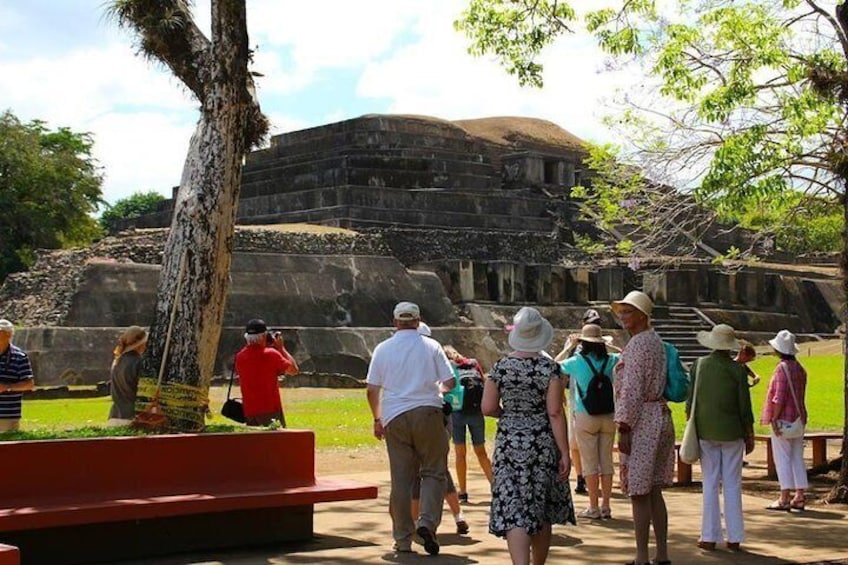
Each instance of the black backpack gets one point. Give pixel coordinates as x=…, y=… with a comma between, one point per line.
x=472, y=385
x=598, y=398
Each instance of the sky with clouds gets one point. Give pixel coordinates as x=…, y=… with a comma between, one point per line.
x=64, y=62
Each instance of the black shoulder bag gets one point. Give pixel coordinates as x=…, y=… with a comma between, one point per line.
x=233, y=408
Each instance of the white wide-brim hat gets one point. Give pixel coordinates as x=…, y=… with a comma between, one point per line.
x=638, y=300
x=721, y=338
x=531, y=332
x=784, y=342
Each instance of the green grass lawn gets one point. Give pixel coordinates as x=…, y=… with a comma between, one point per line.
x=824, y=397
x=341, y=418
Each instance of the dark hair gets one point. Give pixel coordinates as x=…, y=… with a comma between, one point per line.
x=599, y=349
x=747, y=347
x=785, y=356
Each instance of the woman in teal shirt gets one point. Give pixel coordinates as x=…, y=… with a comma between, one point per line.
x=591, y=371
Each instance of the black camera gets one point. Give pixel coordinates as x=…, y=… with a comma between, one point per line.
x=271, y=336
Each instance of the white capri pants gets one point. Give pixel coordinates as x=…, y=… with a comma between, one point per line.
x=789, y=462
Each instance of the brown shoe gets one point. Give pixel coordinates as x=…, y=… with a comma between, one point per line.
x=708, y=545
x=733, y=546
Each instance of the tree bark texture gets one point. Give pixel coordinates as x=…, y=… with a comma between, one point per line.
x=204, y=216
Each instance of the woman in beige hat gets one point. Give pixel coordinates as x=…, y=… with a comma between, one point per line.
x=645, y=429
x=593, y=408
x=123, y=379
x=530, y=490
x=783, y=405
x=725, y=425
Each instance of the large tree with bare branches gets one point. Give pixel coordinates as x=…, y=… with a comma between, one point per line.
x=198, y=251
x=750, y=107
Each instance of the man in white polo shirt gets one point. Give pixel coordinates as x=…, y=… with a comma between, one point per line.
x=404, y=380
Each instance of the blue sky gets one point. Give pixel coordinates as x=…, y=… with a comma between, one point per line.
x=64, y=62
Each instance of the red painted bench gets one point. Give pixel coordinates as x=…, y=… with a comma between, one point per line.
x=9, y=555
x=818, y=440
x=126, y=497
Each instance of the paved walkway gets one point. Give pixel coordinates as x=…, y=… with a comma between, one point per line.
x=360, y=532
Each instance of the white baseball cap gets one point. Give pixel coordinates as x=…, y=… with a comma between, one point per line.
x=407, y=311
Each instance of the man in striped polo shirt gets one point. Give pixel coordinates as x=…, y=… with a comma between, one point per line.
x=15, y=378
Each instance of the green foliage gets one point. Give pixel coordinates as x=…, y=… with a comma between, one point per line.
x=751, y=105
x=516, y=32
x=49, y=187
x=133, y=206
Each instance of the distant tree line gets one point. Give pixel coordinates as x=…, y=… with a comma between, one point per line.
x=50, y=192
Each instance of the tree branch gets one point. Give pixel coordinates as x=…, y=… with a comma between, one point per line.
x=166, y=32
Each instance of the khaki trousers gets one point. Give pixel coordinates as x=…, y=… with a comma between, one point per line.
x=416, y=441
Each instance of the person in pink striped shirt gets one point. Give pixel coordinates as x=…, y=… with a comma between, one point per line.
x=783, y=405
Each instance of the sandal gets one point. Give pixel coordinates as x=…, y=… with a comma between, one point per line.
x=779, y=506
x=799, y=506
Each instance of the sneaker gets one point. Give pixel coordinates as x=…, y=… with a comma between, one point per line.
x=461, y=527
x=463, y=497
x=591, y=513
x=606, y=513
x=431, y=546
x=581, y=485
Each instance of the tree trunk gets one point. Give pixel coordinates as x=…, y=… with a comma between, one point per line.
x=839, y=493
x=201, y=232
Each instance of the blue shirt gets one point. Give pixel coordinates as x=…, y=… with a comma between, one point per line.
x=580, y=373
x=14, y=368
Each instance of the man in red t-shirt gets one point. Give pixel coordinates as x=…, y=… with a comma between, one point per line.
x=258, y=365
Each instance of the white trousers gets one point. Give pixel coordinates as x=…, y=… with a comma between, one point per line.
x=721, y=467
x=789, y=462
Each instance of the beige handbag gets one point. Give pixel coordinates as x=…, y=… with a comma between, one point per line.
x=690, y=449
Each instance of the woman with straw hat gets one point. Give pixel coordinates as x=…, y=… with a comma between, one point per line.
x=123, y=378
x=784, y=404
x=590, y=373
x=645, y=429
x=725, y=425
x=530, y=490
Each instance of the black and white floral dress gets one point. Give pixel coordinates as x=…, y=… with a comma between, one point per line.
x=525, y=491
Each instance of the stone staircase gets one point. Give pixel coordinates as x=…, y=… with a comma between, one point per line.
x=680, y=328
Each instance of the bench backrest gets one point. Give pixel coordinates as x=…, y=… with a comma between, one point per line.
x=132, y=467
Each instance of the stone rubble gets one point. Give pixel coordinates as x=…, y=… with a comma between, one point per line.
x=42, y=296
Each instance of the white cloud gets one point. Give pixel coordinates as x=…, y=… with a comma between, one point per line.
x=142, y=151
x=436, y=76
x=407, y=55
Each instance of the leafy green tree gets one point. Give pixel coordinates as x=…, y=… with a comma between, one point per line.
x=751, y=103
x=137, y=204
x=196, y=264
x=49, y=187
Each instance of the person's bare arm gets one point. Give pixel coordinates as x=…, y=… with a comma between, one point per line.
x=567, y=348
x=292, y=369
x=20, y=386
x=491, y=403
x=553, y=402
x=372, y=393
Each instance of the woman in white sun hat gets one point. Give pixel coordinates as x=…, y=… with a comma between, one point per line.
x=530, y=490
x=784, y=403
x=645, y=429
x=725, y=424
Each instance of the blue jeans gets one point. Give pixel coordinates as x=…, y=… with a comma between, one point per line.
x=475, y=423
